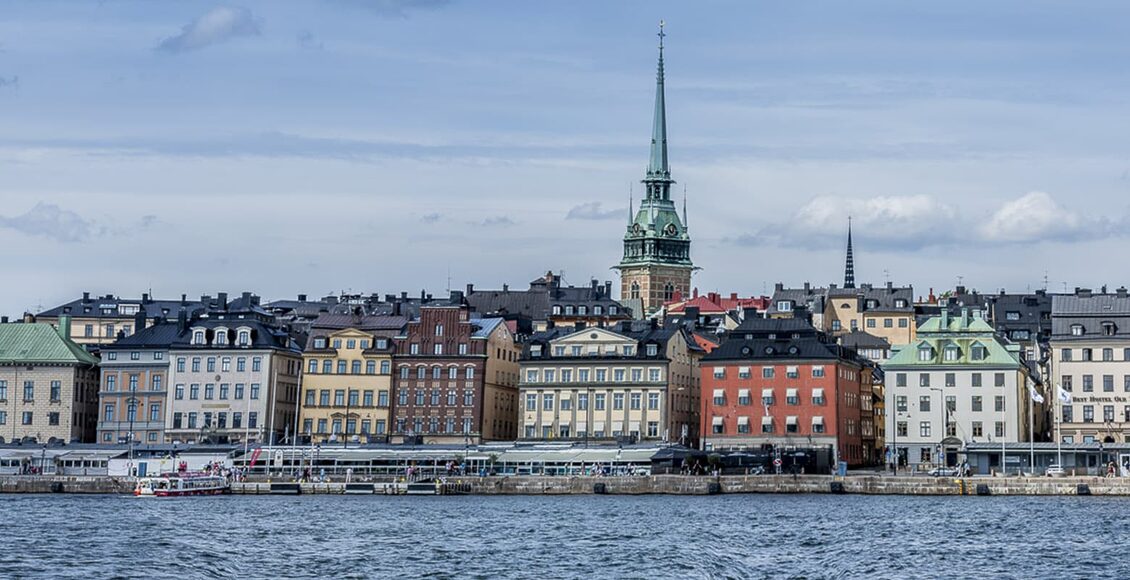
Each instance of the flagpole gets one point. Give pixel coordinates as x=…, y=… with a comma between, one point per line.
x=1058, y=419
x=1031, y=439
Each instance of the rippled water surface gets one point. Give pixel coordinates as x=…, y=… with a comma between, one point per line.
x=746, y=536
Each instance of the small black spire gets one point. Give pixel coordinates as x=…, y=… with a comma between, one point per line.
x=849, y=267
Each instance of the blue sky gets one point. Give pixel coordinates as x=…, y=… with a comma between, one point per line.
x=385, y=145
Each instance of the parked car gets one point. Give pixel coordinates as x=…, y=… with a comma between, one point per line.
x=1055, y=470
x=944, y=472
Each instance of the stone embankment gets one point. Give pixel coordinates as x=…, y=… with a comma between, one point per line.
x=659, y=484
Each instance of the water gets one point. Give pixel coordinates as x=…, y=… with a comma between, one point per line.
x=739, y=536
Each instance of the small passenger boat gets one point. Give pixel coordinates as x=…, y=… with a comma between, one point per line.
x=182, y=483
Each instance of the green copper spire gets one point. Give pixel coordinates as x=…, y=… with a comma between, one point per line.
x=658, y=177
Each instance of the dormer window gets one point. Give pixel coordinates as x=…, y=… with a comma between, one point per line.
x=382, y=343
x=979, y=352
x=535, y=350
x=872, y=303
x=1012, y=315
x=568, y=311
x=198, y=337
x=1076, y=330
x=628, y=350
x=598, y=310
x=785, y=305
x=583, y=310
x=652, y=350
x=925, y=354
x=557, y=310
x=952, y=353
x=319, y=342
x=1109, y=328
x=613, y=310
x=900, y=303
x=244, y=337
x=221, y=338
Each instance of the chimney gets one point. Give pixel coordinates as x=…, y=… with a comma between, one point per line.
x=145, y=298
x=222, y=299
x=691, y=313
x=713, y=297
x=182, y=320
x=65, y=326
x=206, y=299
x=3, y=320
x=1121, y=291
x=505, y=287
x=964, y=317
x=550, y=325
x=733, y=295
x=184, y=299
x=255, y=299
x=959, y=290
x=890, y=286
x=139, y=320
x=396, y=308
x=1083, y=292
x=806, y=287
x=470, y=289
x=779, y=286
x=86, y=297
x=423, y=295
x=608, y=289
x=1103, y=291
x=654, y=323
x=694, y=292
x=302, y=298
x=945, y=317
x=456, y=297
x=404, y=295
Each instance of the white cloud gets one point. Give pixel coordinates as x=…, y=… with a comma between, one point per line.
x=218, y=25
x=592, y=211
x=51, y=221
x=1037, y=216
x=900, y=222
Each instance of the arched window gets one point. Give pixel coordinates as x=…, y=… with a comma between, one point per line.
x=668, y=291
x=635, y=290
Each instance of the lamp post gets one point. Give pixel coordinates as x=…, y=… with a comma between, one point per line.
x=942, y=433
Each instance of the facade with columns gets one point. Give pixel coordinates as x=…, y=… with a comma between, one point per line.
x=657, y=262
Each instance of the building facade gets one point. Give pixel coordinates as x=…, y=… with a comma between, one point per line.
x=626, y=383
x=1090, y=346
x=781, y=384
x=958, y=383
x=48, y=385
x=134, y=386
x=455, y=377
x=657, y=246
x=101, y=320
x=347, y=384
x=548, y=301
x=234, y=378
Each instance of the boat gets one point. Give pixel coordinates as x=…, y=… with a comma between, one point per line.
x=181, y=484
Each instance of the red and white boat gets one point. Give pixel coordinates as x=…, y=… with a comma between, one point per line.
x=181, y=483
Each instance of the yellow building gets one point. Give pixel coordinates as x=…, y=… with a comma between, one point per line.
x=886, y=312
x=347, y=383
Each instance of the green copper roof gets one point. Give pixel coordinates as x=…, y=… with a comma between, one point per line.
x=952, y=341
x=39, y=343
x=657, y=168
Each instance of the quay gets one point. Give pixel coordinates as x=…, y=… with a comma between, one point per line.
x=622, y=485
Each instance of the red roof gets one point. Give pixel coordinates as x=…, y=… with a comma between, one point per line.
x=714, y=303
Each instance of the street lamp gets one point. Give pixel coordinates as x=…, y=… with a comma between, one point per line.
x=895, y=436
x=942, y=433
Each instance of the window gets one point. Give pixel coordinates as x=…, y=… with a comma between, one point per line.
x=951, y=353
x=437, y=349
x=3, y=390
x=254, y=390
x=870, y=323
x=111, y=383
x=1065, y=355
x=999, y=428
x=194, y=391
x=652, y=350
x=924, y=431
x=1108, y=383
x=791, y=372
x=1088, y=383
x=1108, y=413
x=177, y=420
x=209, y=391
x=252, y=420
x=547, y=402
x=57, y=388
x=743, y=398
x=998, y=403
x=551, y=375
x=225, y=364
x=339, y=398
x=791, y=397
x=180, y=364
x=341, y=367
x=900, y=404
x=355, y=397
x=951, y=404
x=617, y=401
x=975, y=378
x=925, y=354
x=924, y=403
x=767, y=372
x=29, y=390
x=951, y=379
x=978, y=352
x=977, y=405
x=355, y=367
x=179, y=391
x=211, y=364
x=1088, y=413
x=402, y=397
x=601, y=375
x=239, y=391
x=1108, y=354
x=901, y=429
x=635, y=401
x=224, y=389
x=817, y=372
x=382, y=398
x=256, y=365
x=900, y=379
x=192, y=420
x=1086, y=354
x=470, y=374
x=785, y=306
x=1077, y=330
x=437, y=373
x=888, y=323
x=598, y=401
x=923, y=380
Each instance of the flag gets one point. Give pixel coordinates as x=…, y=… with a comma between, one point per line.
x=1036, y=397
x=1064, y=396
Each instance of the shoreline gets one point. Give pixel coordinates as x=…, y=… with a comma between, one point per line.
x=624, y=485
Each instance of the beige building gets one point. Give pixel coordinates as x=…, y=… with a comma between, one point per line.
x=48, y=385
x=347, y=384
x=98, y=320
x=611, y=383
x=234, y=377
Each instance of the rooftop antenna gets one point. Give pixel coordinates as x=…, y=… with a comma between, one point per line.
x=449, y=278
x=886, y=275
x=631, y=202
x=685, y=222
x=960, y=279
x=1045, y=280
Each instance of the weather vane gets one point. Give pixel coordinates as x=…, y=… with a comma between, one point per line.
x=661, y=34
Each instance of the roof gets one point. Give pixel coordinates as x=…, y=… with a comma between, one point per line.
x=92, y=307
x=641, y=332
x=962, y=333
x=886, y=298
x=485, y=326
x=160, y=335
x=859, y=339
x=39, y=343
x=810, y=297
x=330, y=321
x=263, y=334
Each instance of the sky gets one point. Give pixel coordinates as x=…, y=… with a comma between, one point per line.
x=322, y=146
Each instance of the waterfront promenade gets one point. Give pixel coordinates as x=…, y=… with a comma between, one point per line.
x=631, y=485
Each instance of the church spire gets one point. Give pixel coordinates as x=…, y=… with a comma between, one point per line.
x=849, y=267
x=658, y=177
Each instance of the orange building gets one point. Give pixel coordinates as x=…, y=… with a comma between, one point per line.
x=781, y=384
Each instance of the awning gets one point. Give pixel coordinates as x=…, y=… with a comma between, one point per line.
x=743, y=393
x=564, y=422
x=790, y=369
x=766, y=420
x=719, y=370
x=743, y=370
x=790, y=420
x=817, y=393
x=716, y=421
x=566, y=395
x=634, y=426
x=598, y=426
x=766, y=392
x=743, y=420
x=818, y=420
x=719, y=393
x=790, y=393
x=582, y=426
x=617, y=425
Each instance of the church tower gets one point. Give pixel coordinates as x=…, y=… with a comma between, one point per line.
x=657, y=248
x=849, y=266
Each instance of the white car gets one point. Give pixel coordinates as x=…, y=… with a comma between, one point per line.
x=944, y=472
x=1055, y=470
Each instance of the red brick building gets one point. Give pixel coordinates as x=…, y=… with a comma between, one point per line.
x=455, y=377
x=780, y=383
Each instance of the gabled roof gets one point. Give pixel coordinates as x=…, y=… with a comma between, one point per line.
x=39, y=343
x=485, y=326
x=859, y=339
x=158, y=336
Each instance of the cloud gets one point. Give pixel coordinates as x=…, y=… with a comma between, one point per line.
x=593, y=211
x=431, y=218
x=500, y=221
x=1035, y=216
x=307, y=41
x=10, y=82
x=398, y=8
x=897, y=222
x=51, y=221
x=218, y=25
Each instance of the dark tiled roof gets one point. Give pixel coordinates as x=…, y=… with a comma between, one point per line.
x=263, y=335
x=857, y=339
x=156, y=336
x=153, y=308
x=328, y=321
x=760, y=349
